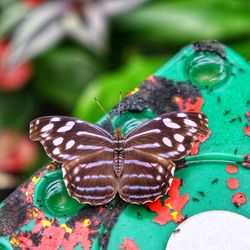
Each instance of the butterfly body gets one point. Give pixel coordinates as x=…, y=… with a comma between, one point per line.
x=139, y=166
x=119, y=145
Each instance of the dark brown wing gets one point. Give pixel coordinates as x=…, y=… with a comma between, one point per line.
x=91, y=179
x=170, y=136
x=145, y=177
x=65, y=138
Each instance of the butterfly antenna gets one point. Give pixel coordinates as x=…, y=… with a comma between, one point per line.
x=104, y=111
x=119, y=108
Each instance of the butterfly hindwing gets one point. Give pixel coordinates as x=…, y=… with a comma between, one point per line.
x=65, y=138
x=91, y=179
x=145, y=177
x=170, y=136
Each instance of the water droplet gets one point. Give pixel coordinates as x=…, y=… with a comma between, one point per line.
x=207, y=70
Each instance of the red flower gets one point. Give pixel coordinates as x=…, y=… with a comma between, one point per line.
x=17, y=152
x=32, y=3
x=12, y=78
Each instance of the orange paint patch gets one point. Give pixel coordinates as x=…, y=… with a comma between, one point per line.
x=129, y=244
x=233, y=183
x=173, y=205
x=231, y=169
x=151, y=78
x=190, y=104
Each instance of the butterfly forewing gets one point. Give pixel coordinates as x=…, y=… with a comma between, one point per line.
x=145, y=177
x=91, y=179
x=65, y=138
x=170, y=136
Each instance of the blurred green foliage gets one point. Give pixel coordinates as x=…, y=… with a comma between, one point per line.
x=68, y=77
x=63, y=73
x=110, y=84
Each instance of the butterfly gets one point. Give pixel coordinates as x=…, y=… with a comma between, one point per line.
x=139, y=166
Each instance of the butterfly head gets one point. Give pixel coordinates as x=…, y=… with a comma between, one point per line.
x=118, y=134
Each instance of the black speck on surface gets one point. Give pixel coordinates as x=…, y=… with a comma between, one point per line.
x=214, y=181
x=201, y=193
x=13, y=213
x=36, y=238
x=195, y=199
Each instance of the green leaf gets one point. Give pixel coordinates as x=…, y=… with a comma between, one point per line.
x=62, y=74
x=180, y=22
x=107, y=88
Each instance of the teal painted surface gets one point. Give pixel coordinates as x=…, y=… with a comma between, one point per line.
x=226, y=136
x=228, y=90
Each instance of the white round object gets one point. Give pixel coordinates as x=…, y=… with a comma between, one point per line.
x=212, y=230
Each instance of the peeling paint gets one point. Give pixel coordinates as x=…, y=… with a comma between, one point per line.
x=172, y=206
x=239, y=199
x=129, y=244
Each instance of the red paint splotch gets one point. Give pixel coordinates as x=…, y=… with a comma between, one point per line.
x=246, y=162
x=53, y=236
x=247, y=130
x=129, y=244
x=201, y=138
x=163, y=212
x=172, y=207
x=191, y=104
x=45, y=227
x=151, y=78
x=80, y=235
x=248, y=114
x=231, y=169
x=239, y=199
x=233, y=183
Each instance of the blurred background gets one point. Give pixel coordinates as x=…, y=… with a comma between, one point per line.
x=57, y=56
